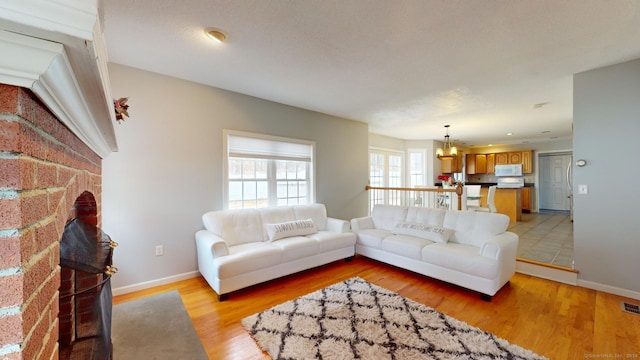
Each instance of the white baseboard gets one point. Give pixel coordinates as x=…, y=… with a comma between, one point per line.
x=609, y=289
x=152, y=283
x=544, y=272
x=571, y=278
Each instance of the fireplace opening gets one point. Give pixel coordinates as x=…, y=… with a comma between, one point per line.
x=86, y=261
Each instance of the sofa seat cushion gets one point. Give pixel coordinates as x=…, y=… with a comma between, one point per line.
x=372, y=237
x=405, y=245
x=247, y=257
x=329, y=240
x=296, y=247
x=459, y=257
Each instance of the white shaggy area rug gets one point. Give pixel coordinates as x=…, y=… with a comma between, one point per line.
x=355, y=319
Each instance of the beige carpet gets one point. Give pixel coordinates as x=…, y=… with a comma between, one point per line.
x=355, y=319
x=155, y=328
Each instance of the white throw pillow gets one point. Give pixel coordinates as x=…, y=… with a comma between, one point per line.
x=423, y=231
x=290, y=228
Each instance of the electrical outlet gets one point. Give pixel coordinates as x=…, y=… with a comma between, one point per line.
x=159, y=250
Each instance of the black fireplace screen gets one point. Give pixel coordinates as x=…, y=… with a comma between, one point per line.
x=85, y=247
x=88, y=251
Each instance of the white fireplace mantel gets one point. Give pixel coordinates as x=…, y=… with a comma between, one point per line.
x=56, y=49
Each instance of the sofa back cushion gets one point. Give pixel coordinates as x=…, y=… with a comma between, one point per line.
x=474, y=228
x=387, y=216
x=275, y=215
x=428, y=216
x=316, y=212
x=235, y=226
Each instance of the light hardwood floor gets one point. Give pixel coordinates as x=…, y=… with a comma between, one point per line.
x=552, y=319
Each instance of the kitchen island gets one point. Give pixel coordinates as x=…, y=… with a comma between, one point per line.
x=508, y=201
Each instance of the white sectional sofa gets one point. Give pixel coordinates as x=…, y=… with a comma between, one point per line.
x=466, y=248
x=239, y=248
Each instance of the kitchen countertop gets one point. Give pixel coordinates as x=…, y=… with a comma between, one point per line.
x=487, y=184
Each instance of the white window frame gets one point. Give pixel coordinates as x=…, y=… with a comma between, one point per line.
x=422, y=172
x=387, y=153
x=271, y=167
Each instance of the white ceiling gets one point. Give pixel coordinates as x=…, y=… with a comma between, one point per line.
x=406, y=67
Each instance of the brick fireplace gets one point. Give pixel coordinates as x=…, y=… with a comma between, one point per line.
x=47, y=176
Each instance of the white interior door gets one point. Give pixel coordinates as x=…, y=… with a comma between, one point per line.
x=554, y=190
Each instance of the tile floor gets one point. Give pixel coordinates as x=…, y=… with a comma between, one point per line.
x=546, y=237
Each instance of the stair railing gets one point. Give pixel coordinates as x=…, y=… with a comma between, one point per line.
x=432, y=197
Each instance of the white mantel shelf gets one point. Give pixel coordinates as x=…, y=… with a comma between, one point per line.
x=56, y=48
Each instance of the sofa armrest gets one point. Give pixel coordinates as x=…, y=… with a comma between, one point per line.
x=208, y=242
x=503, y=246
x=337, y=225
x=361, y=223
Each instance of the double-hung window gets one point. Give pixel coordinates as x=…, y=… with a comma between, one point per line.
x=385, y=170
x=266, y=171
x=417, y=166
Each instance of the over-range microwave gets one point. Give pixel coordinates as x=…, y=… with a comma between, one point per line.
x=508, y=170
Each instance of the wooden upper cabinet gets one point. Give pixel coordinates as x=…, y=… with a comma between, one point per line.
x=448, y=166
x=481, y=164
x=523, y=157
x=526, y=162
x=476, y=164
x=502, y=158
x=471, y=164
x=491, y=163
x=515, y=157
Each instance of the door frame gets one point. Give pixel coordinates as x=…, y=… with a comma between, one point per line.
x=536, y=196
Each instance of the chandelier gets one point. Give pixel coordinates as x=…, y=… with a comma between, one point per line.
x=448, y=151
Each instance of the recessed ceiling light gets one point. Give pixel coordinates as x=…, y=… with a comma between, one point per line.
x=509, y=134
x=216, y=34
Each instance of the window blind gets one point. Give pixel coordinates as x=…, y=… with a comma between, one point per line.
x=262, y=148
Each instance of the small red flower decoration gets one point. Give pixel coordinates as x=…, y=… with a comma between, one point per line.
x=446, y=179
x=121, y=107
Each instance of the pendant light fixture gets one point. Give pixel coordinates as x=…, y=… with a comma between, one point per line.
x=448, y=151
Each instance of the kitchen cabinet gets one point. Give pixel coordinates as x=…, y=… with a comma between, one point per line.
x=481, y=164
x=449, y=166
x=516, y=157
x=526, y=199
x=476, y=164
x=508, y=201
x=471, y=164
x=491, y=163
x=526, y=162
x=502, y=158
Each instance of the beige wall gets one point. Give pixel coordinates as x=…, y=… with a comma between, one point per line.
x=606, y=230
x=168, y=170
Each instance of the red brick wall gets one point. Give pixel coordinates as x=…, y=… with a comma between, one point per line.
x=44, y=169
